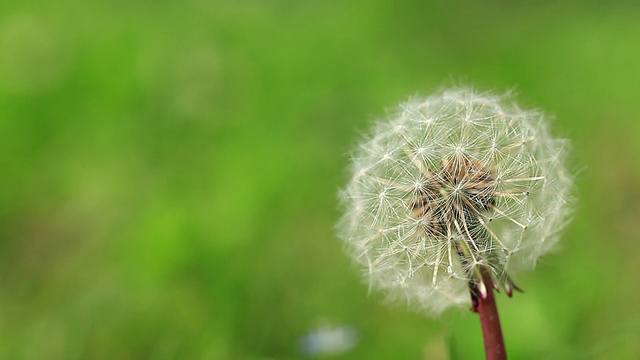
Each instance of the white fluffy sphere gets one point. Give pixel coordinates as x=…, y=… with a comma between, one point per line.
x=448, y=183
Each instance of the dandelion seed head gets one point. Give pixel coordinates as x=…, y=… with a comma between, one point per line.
x=450, y=182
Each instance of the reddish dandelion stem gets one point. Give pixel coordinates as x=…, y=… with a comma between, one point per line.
x=484, y=303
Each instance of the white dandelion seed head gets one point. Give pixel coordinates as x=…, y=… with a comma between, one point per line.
x=450, y=182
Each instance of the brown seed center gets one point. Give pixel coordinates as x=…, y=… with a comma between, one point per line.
x=455, y=196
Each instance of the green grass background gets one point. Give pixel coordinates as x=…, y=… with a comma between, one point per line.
x=170, y=170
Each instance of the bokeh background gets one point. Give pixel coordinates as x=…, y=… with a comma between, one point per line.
x=169, y=172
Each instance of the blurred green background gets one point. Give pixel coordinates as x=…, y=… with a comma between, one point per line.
x=170, y=171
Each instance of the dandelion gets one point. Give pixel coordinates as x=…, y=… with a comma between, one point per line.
x=451, y=195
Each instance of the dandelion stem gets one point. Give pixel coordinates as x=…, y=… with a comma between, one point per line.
x=485, y=306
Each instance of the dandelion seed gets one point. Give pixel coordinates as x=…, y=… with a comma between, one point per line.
x=451, y=184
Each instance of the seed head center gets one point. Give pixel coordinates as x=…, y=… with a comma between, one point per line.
x=459, y=192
